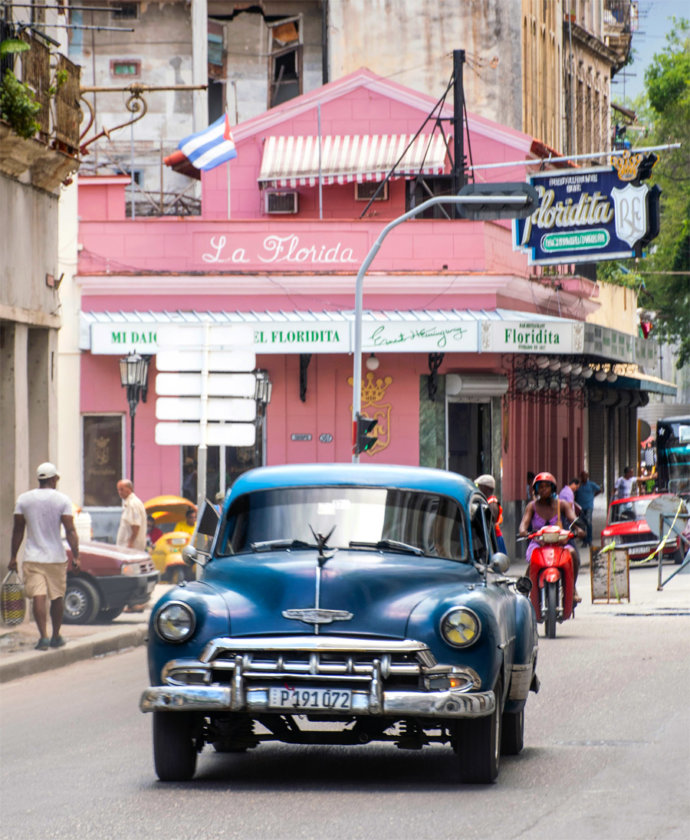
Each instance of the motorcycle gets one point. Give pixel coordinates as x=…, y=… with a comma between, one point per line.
x=552, y=575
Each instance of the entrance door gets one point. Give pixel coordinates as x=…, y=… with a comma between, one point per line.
x=469, y=438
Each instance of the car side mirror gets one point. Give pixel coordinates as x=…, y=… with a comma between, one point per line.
x=190, y=556
x=500, y=563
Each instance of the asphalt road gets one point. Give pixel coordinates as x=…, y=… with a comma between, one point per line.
x=607, y=755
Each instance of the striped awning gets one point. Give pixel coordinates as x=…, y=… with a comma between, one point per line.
x=294, y=161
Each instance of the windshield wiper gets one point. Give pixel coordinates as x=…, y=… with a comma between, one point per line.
x=269, y=545
x=391, y=545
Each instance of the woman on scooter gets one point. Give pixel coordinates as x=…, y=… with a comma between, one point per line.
x=547, y=509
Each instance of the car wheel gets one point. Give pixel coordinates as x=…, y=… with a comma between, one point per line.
x=82, y=602
x=551, y=607
x=478, y=744
x=110, y=615
x=678, y=556
x=174, y=750
x=175, y=574
x=512, y=732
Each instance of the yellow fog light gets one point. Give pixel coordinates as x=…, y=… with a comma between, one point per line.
x=460, y=627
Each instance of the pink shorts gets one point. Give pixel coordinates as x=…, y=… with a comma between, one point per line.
x=45, y=579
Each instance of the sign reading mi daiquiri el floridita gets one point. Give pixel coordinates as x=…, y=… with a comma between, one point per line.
x=587, y=215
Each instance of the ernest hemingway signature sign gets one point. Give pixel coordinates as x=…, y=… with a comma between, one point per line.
x=586, y=216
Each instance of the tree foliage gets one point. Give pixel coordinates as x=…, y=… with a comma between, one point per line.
x=667, y=293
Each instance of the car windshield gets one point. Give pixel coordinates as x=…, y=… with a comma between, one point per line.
x=356, y=518
x=628, y=511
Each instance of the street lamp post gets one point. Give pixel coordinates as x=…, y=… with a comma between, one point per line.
x=134, y=371
x=477, y=201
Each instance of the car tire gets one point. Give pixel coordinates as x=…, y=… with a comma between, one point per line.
x=478, y=744
x=81, y=603
x=678, y=556
x=551, y=598
x=513, y=732
x=110, y=615
x=174, y=748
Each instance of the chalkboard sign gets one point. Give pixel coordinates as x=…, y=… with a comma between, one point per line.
x=610, y=576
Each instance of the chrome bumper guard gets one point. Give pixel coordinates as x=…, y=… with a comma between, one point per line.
x=436, y=704
x=253, y=665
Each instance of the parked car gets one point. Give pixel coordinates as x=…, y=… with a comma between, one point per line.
x=110, y=578
x=627, y=527
x=370, y=597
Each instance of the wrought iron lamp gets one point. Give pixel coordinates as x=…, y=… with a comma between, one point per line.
x=134, y=372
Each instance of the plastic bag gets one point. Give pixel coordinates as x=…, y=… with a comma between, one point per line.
x=12, y=599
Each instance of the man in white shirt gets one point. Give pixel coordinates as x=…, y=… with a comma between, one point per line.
x=133, y=526
x=624, y=484
x=40, y=513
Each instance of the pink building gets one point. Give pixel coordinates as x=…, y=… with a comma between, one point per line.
x=451, y=310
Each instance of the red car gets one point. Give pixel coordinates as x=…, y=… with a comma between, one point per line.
x=110, y=579
x=626, y=524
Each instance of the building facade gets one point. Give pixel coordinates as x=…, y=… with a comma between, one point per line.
x=457, y=331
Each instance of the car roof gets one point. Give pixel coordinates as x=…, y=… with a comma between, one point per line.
x=643, y=498
x=347, y=474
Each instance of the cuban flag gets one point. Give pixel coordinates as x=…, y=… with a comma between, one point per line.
x=210, y=147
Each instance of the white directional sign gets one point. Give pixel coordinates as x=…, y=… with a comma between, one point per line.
x=189, y=408
x=217, y=360
x=217, y=434
x=219, y=385
x=218, y=336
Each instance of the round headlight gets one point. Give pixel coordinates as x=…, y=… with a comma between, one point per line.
x=460, y=627
x=175, y=622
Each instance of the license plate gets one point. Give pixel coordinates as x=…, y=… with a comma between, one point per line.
x=330, y=699
x=639, y=549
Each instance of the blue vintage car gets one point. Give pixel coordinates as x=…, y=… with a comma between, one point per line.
x=368, y=597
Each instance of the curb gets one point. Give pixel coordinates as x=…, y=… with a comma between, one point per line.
x=76, y=650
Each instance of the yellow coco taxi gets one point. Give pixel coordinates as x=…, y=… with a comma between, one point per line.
x=172, y=520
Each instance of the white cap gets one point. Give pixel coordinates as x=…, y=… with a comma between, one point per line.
x=47, y=470
x=485, y=481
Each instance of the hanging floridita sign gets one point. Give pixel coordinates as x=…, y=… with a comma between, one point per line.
x=588, y=215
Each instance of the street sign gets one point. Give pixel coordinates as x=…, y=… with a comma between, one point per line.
x=521, y=200
x=217, y=434
x=190, y=359
x=197, y=335
x=219, y=385
x=230, y=409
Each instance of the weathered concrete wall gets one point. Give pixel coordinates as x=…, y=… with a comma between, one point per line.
x=412, y=41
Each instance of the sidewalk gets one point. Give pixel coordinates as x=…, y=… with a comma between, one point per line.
x=84, y=641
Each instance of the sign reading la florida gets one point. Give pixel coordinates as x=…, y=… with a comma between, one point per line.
x=277, y=250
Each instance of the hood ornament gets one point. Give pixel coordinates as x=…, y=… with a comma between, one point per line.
x=315, y=615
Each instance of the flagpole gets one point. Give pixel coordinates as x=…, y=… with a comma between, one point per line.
x=227, y=166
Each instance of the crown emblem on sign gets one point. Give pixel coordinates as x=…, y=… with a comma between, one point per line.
x=627, y=165
x=373, y=391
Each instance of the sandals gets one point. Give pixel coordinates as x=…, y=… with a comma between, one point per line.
x=43, y=643
x=59, y=642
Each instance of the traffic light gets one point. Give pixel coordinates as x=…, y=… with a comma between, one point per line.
x=364, y=441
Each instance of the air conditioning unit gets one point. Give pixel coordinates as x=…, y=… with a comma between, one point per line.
x=365, y=191
x=281, y=202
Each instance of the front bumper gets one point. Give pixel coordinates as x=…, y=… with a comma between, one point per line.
x=433, y=704
x=235, y=675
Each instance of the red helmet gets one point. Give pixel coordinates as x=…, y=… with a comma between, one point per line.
x=544, y=476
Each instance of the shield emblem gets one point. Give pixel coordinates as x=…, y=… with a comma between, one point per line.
x=631, y=212
x=382, y=413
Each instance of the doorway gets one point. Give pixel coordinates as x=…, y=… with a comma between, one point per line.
x=469, y=438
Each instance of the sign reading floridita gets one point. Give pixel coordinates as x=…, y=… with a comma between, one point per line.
x=587, y=215
x=533, y=337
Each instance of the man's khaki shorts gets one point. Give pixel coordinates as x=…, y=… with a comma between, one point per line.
x=45, y=579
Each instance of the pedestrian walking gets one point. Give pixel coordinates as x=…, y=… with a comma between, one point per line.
x=584, y=496
x=39, y=513
x=567, y=494
x=133, y=525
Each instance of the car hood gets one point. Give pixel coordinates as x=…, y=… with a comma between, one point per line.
x=380, y=591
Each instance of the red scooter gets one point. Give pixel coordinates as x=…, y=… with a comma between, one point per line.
x=552, y=575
